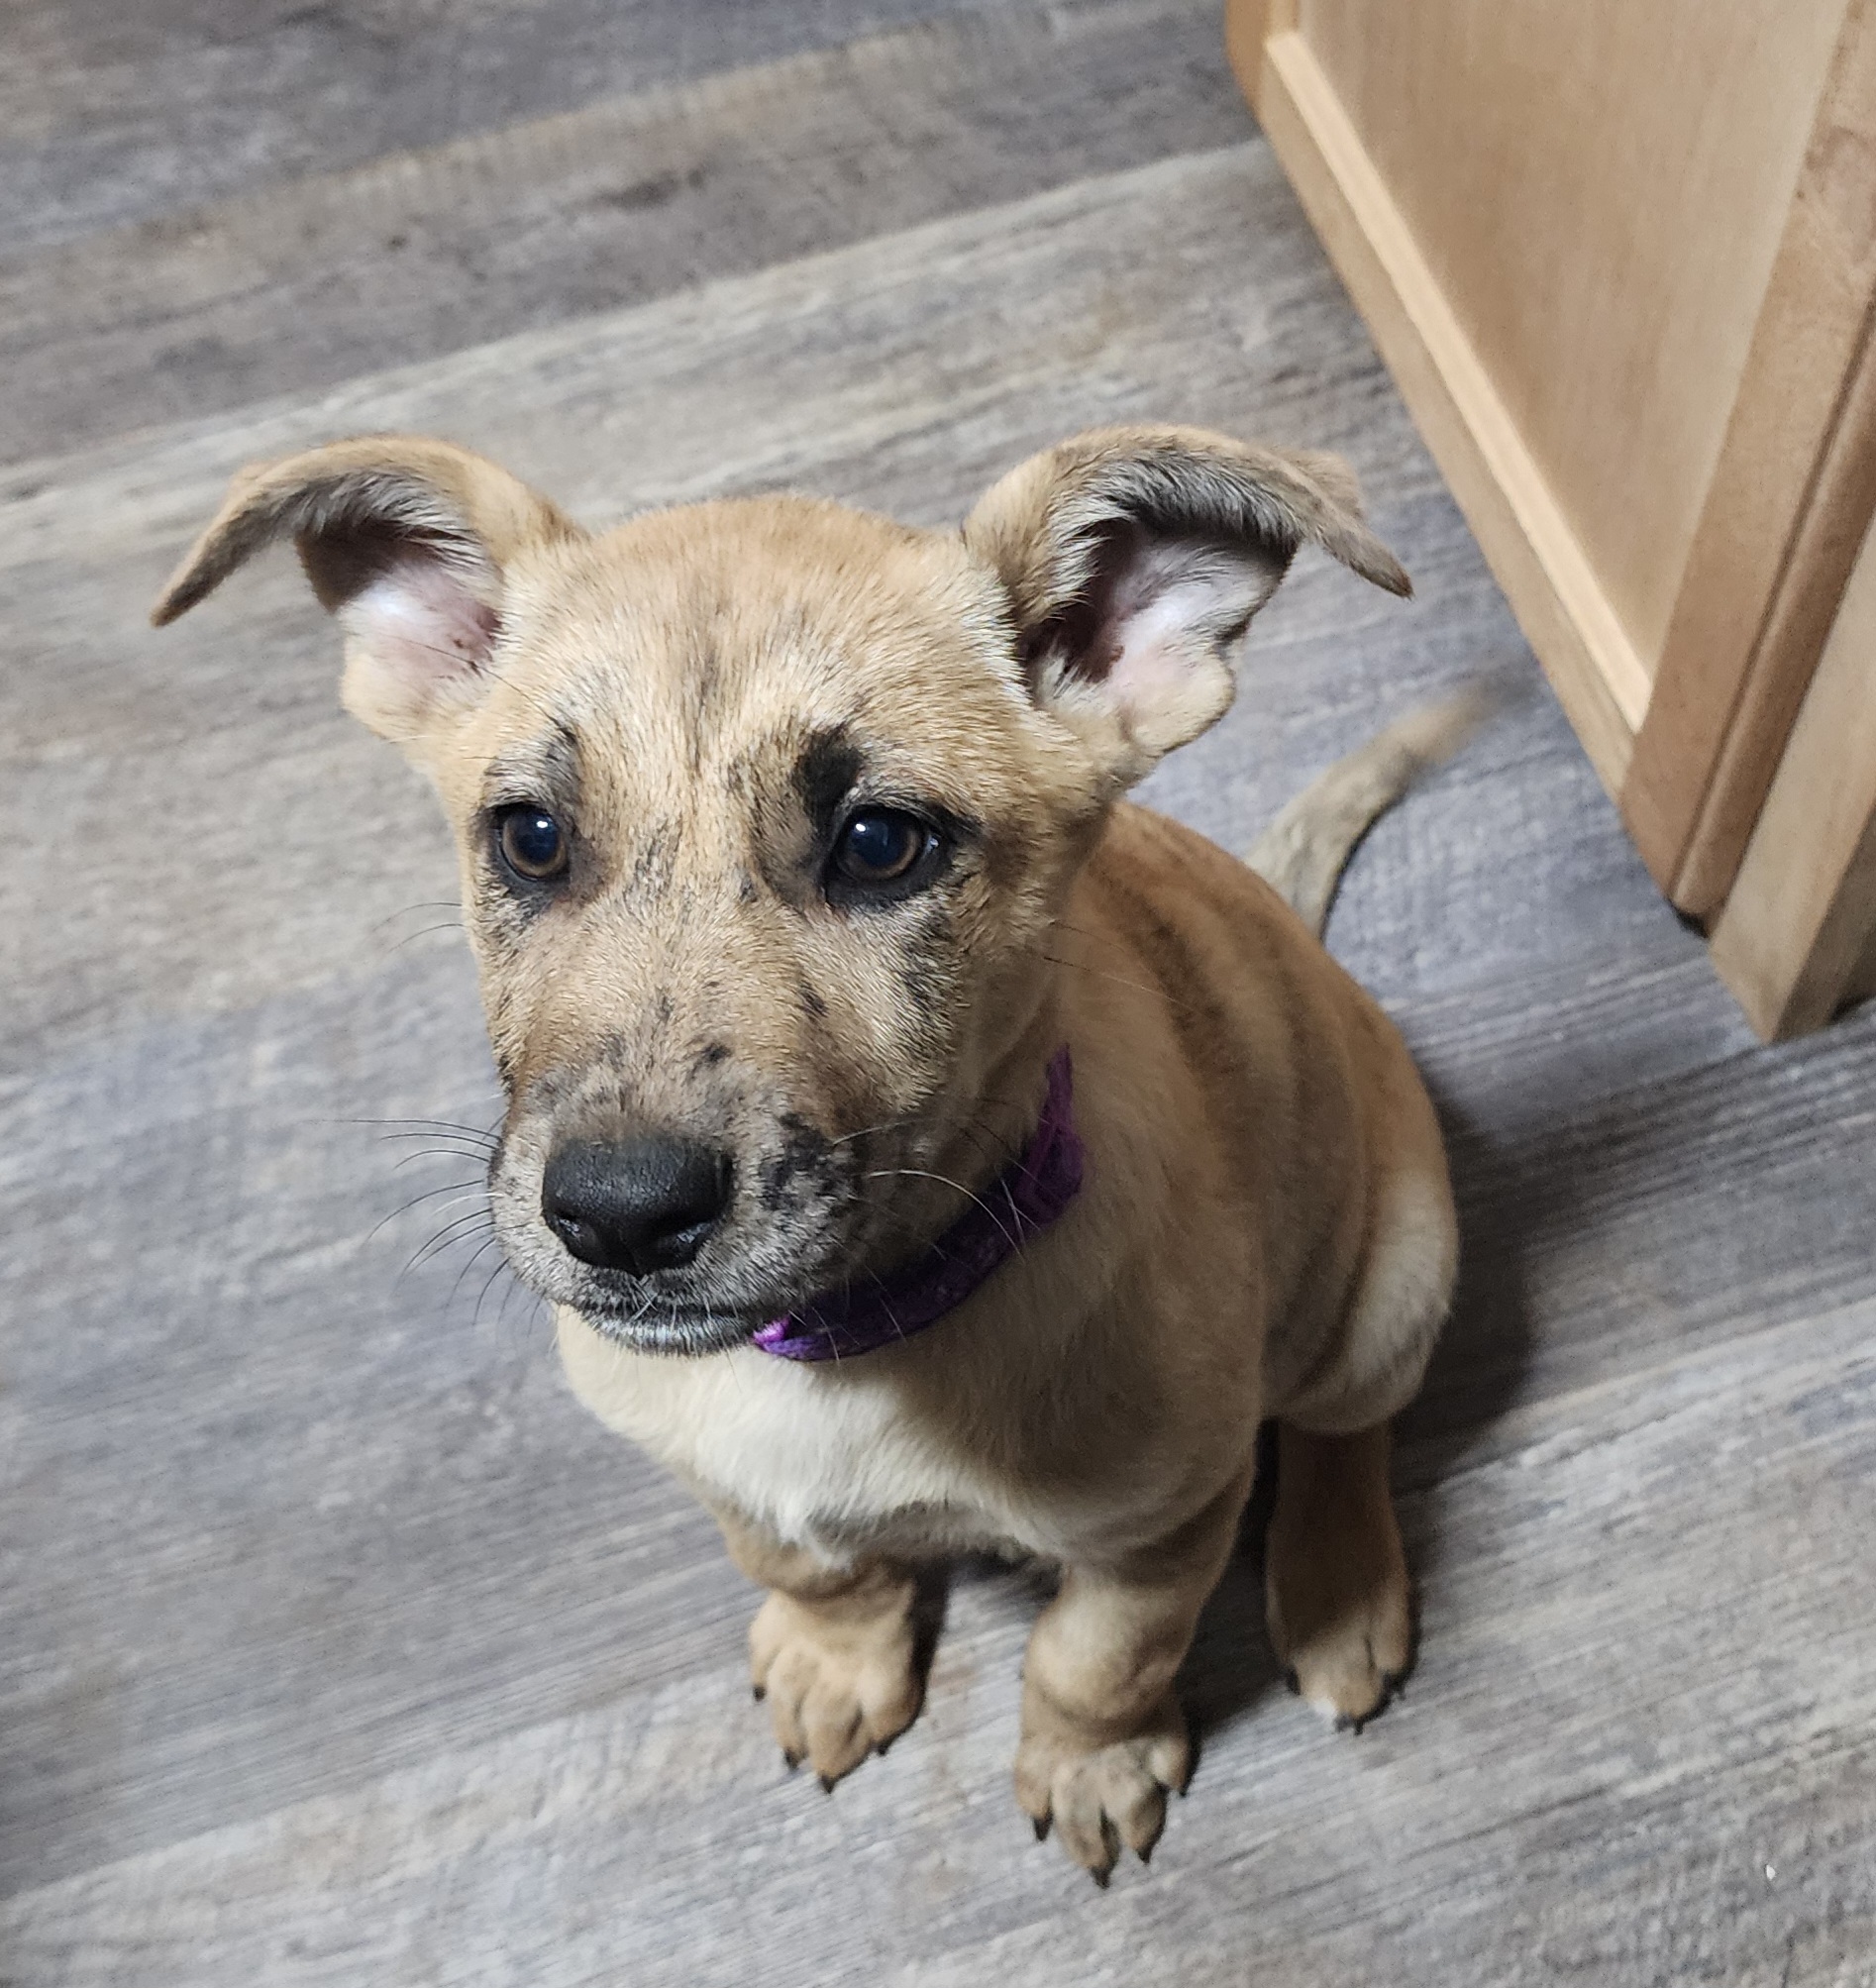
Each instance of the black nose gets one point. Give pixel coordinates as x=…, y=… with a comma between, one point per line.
x=641, y=1205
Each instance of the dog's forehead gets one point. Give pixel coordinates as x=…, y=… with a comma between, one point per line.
x=730, y=642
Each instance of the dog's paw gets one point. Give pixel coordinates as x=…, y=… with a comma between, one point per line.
x=1102, y=1799
x=1345, y=1643
x=836, y=1690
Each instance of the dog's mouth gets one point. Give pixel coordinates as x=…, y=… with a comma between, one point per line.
x=651, y=1325
x=698, y=1320
x=763, y=1266
x=809, y=1220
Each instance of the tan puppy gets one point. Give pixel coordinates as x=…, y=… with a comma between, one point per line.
x=794, y=857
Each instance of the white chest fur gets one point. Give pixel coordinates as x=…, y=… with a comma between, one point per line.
x=821, y=1457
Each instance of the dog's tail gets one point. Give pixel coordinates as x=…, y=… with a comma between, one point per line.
x=1304, y=851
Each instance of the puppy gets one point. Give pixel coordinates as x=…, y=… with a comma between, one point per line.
x=926, y=1150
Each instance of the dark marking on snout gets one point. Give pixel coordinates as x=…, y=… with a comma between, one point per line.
x=657, y=862
x=926, y=963
x=712, y=1053
x=804, y=1149
x=813, y=1004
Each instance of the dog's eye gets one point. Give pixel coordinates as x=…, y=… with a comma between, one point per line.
x=881, y=845
x=531, y=842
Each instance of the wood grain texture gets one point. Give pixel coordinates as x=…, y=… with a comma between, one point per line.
x=1588, y=656
x=341, y=1647
x=1641, y=163
x=589, y=1845
x=317, y=280
x=112, y=114
x=1661, y=429
x=1791, y=495
x=1804, y=906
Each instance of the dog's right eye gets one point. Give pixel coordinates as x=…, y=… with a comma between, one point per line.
x=531, y=843
x=880, y=856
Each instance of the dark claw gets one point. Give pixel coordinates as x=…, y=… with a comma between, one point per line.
x=758, y=1693
x=1040, y=1824
x=1146, y=1855
x=1294, y=1683
x=827, y=1784
x=793, y=1759
x=1101, y=1878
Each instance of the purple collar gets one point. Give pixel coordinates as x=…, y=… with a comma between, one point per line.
x=1022, y=1202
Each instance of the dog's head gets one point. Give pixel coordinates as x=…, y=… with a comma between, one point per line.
x=764, y=809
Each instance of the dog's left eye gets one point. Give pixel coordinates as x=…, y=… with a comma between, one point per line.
x=880, y=847
x=532, y=842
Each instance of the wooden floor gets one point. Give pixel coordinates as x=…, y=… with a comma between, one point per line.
x=341, y=1647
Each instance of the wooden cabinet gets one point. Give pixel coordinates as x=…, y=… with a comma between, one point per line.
x=1620, y=256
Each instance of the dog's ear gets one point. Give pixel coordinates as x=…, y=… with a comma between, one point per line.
x=407, y=540
x=1133, y=558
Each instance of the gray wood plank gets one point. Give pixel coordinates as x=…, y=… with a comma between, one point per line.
x=277, y=1513
x=1664, y=1215
x=300, y=285
x=1594, y=1773
x=111, y=113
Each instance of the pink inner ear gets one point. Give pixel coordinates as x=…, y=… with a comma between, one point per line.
x=1154, y=653
x=1172, y=608
x=418, y=627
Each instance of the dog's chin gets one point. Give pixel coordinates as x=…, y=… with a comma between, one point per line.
x=685, y=1331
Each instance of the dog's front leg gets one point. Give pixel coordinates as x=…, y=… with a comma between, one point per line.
x=1102, y=1734
x=833, y=1649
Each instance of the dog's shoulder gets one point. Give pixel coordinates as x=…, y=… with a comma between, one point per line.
x=1162, y=864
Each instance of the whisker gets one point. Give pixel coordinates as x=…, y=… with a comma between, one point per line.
x=482, y=1297
x=507, y=1298
x=892, y=1317
x=414, y=1128
x=1102, y=974
x=442, y=1153
x=977, y=1131
x=489, y=1244
x=521, y=691
x=947, y=1181
x=866, y=1131
x=451, y=1232
x=430, y=1193
x=411, y=938
x=433, y=905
